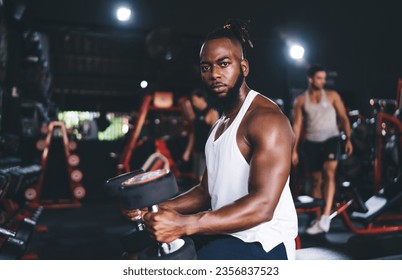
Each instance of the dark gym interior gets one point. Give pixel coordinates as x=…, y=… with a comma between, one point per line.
x=85, y=98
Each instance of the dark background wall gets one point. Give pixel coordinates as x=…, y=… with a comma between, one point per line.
x=92, y=57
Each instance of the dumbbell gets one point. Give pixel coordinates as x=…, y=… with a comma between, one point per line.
x=17, y=241
x=25, y=227
x=4, y=183
x=147, y=190
x=137, y=238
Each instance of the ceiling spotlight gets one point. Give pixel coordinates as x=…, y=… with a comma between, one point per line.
x=123, y=14
x=296, y=52
x=144, y=84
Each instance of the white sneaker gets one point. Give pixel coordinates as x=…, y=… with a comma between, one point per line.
x=325, y=223
x=314, y=228
x=320, y=226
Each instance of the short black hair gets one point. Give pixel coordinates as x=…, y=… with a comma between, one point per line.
x=313, y=69
x=234, y=30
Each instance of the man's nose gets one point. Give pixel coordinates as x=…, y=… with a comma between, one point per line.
x=215, y=72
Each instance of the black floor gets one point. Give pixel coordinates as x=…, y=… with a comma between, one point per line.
x=93, y=232
x=90, y=232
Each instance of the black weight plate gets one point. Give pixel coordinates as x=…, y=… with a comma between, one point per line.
x=136, y=240
x=113, y=185
x=24, y=231
x=12, y=250
x=186, y=252
x=147, y=189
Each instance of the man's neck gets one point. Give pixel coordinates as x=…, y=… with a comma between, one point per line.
x=314, y=90
x=231, y=113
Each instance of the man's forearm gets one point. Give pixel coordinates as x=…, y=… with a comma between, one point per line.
x=296, y=132
x=192, y=201
x=346, y=127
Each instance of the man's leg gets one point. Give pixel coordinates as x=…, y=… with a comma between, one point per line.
x=332, y=152
x=316, y=192
x=316, y=187
x=329, y=185
x=232, y=248
x=329, y=192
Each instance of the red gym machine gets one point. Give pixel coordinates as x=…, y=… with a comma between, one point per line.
x=159, y=102
x=376, y=213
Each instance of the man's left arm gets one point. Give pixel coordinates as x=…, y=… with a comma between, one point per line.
x=270, y=164
x=344, y=121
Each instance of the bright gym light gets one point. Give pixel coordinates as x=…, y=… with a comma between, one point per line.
x=123, y=14
x=144, y=84
x=296, y=52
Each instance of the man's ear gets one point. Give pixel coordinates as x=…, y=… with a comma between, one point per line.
x=244, y=67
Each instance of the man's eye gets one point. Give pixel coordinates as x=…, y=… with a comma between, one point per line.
x=224, y=64
x=205, y=68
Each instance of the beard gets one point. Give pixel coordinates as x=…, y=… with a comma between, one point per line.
x=230, y=100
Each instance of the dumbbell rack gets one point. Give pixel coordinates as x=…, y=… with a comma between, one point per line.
x=75, y=175
x=17, y=218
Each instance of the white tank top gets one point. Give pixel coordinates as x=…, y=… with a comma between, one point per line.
x=228, y=175
x=321, y=121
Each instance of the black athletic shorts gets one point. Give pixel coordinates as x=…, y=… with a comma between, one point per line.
x=316, y=153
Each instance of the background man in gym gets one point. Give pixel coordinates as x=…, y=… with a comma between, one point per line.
x=317, y=111
x=243, y=202
x=205, y=117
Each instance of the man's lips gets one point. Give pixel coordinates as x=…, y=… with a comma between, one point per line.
x=217, y=87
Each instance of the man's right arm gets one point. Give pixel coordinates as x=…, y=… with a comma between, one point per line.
x=192, y=201
x=190, y=144
x=297, y=124
x=212, y=117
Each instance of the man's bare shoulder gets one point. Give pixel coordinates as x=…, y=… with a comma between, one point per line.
x=265, y=112
x=332, y=94
x=299, y=99
x=265, y=102
x=266, y=123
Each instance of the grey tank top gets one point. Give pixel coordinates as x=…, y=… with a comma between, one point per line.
x=320, y=119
